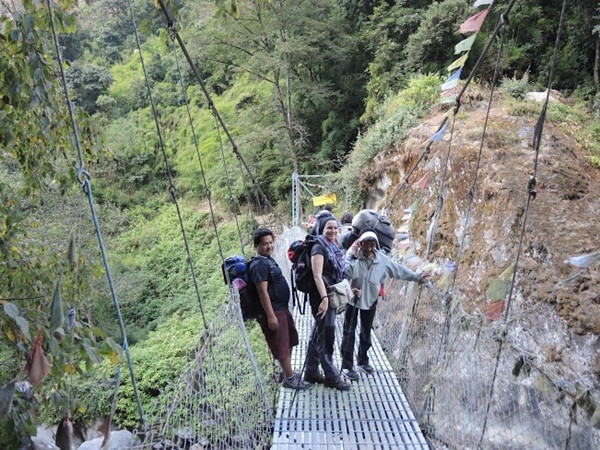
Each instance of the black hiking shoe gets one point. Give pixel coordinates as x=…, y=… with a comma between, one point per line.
x=338, y=384
x=367, y=368
x=295, y=382
x=350, y=374
x=317, y=378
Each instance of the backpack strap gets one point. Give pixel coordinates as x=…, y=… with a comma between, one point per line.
x=295, y=296
x=272, y=266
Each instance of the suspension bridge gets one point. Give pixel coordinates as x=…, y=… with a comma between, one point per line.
x=445, y=377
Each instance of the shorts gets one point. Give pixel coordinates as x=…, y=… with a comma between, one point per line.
x=282, y=340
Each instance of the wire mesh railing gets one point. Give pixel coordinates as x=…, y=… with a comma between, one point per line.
x=226, y=396
x=538, y=400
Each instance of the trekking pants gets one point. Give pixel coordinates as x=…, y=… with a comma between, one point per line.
x=367, y=316
x=318, y=352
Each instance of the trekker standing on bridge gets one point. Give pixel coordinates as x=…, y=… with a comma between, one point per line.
x=327, y=261
x=367, y=268
x=277, y=322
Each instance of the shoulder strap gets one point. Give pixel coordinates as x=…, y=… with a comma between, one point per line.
x=272, y=265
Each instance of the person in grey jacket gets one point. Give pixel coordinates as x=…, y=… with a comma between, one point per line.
x=366, y=268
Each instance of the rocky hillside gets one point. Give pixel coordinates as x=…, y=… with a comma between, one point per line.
x=564, y=216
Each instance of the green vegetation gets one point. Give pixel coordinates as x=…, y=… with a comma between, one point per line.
x=516, y=87
x=393, y=121
x=311, y=86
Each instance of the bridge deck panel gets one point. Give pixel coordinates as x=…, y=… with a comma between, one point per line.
x=373, y=414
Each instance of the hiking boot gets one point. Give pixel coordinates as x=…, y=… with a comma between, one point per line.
x=367, y=368
x=338, y=384
x=295, y=383
x=350, y=374
x=314, y=377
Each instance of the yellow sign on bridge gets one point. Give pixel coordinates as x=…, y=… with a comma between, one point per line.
x=321, y=200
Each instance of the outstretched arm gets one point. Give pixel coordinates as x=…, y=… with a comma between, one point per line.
x=397, y=270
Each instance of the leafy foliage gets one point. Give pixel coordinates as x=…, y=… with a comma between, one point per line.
x=88, y=83
x=395, y=118
x=516, y=87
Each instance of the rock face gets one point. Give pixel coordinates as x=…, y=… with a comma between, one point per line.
x=563, y=218
x=43, y=443
x=553, y=321
x=122, y=439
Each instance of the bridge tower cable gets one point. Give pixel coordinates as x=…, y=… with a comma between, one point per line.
x=480, y=60
x=531, y=195
x=206, y=189
x=173, y=194
x=211, y=105
x=440, y=199
x=85, y=179
x=448, y=297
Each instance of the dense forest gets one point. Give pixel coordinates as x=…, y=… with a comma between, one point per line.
x=311, y=86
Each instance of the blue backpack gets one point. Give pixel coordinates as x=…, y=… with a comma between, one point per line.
x=236, y=270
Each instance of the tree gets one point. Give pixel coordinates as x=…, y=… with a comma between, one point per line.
x=88, y=82
x=306, y=51
x=41, y=275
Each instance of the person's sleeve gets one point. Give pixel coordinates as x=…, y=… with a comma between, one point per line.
x=259, y=272
x=397, y=270
x=351, y=263
x=317, y=249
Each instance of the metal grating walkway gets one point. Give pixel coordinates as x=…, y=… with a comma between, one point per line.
x=374, y=414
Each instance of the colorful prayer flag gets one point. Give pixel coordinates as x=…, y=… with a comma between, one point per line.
x=475, y=22
x=449, y=96
x=458, y=63
x=423, y=181
x=37, y=366
x=483, y=2
x=413, y=261
x=494, y=310
x=437, y=137
x=465, y=45
x=584, y=261
x=452, y=80
x=404, y=245
x=430, y=165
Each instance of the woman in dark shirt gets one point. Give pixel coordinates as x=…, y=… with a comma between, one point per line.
x=328, y=266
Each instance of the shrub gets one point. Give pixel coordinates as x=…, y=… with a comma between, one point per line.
x=394, y=119
x=515, y=87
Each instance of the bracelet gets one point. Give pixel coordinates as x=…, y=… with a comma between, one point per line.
x=325, y=296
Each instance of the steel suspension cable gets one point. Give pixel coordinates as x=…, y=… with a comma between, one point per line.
x=207, y=191
x=247, y=344
x=448, y=297
x=211, y=105
x=440, y=199
x=499, y=26
x=531, y=195
x=172, y=190
x=84, y=179
x=173, y=193
x=497, y=29
x=232, y=199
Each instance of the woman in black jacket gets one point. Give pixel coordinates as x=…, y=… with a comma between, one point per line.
x=328, y=266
